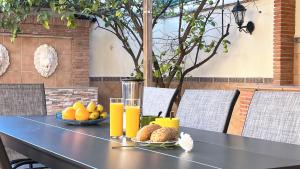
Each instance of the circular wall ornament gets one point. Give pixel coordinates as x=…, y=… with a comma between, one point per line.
x=45, y=60
x=4, y=59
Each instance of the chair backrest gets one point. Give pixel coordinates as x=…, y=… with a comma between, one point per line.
x=22, y=99
x=156, y=100
x=4, y=162
x=274, y=116
x=207, y=109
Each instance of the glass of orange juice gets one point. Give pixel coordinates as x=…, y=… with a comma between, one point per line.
x=116, y=108
x=132, y=111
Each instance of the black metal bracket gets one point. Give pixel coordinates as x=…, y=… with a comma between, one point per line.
x=249, y=28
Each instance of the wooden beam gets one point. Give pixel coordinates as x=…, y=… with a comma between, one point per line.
x=147, y=42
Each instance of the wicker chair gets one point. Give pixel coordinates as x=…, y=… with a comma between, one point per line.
x=156, y=100
x=22, y=99
x=274, y=116
x=207, y=109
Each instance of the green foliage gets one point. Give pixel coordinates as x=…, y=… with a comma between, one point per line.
x=123, y=18
x=13, y=12
x=200, y=40
x=43, y=18
x=225, y=45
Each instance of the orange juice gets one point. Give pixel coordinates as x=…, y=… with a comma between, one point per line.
x=132, y=120
x=116, y=119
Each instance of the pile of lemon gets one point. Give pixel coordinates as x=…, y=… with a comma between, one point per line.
x=81, y=113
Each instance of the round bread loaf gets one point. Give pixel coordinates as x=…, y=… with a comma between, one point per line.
x=164, y=134
x=144, y=133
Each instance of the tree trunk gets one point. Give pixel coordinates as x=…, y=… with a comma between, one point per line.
x=175, y=96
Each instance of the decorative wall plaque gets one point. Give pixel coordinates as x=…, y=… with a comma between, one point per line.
x=45, y=60
x=4, y=59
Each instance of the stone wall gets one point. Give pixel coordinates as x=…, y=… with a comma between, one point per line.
x=59, y=98
x=72, y=46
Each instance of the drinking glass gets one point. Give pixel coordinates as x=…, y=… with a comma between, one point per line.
x=116, y=108
x=132, y=107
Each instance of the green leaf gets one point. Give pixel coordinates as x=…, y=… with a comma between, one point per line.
x=201, y=46
x=46, y=24
x=43, y=18
x=119, y=14
x=86, y=11
x=156, y=74
x=95, y=6
x=71, y=21
x=178, y=75
x=29, y=2
x=62, y=1
x=213, y=24
x=138, y=76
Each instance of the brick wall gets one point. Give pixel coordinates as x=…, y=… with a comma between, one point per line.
x=283, y=43
x=72, y=46
x=285, y=61
x=240, y=111
x=297, y=62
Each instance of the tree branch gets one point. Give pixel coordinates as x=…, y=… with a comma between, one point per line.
x=135, y=19
x=179, y=87
x=195, y=16
x=180, y=23
x=132, y=32
x=119, y=33
x=106, y=29
x=161, y=13
x=211, y=55
x=183, y=38
x=205, y=23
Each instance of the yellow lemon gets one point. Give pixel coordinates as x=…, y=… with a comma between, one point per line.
x=91, y=106
x=103, y=115
x=78, y=105
x=82, y=114
x=94, y=115
x=99, y=108
x=69, y=113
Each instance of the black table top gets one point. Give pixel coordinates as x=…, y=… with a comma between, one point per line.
x=91, y=147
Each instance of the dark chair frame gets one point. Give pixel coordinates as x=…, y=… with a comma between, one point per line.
x=6, y=164
x=233, y=103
